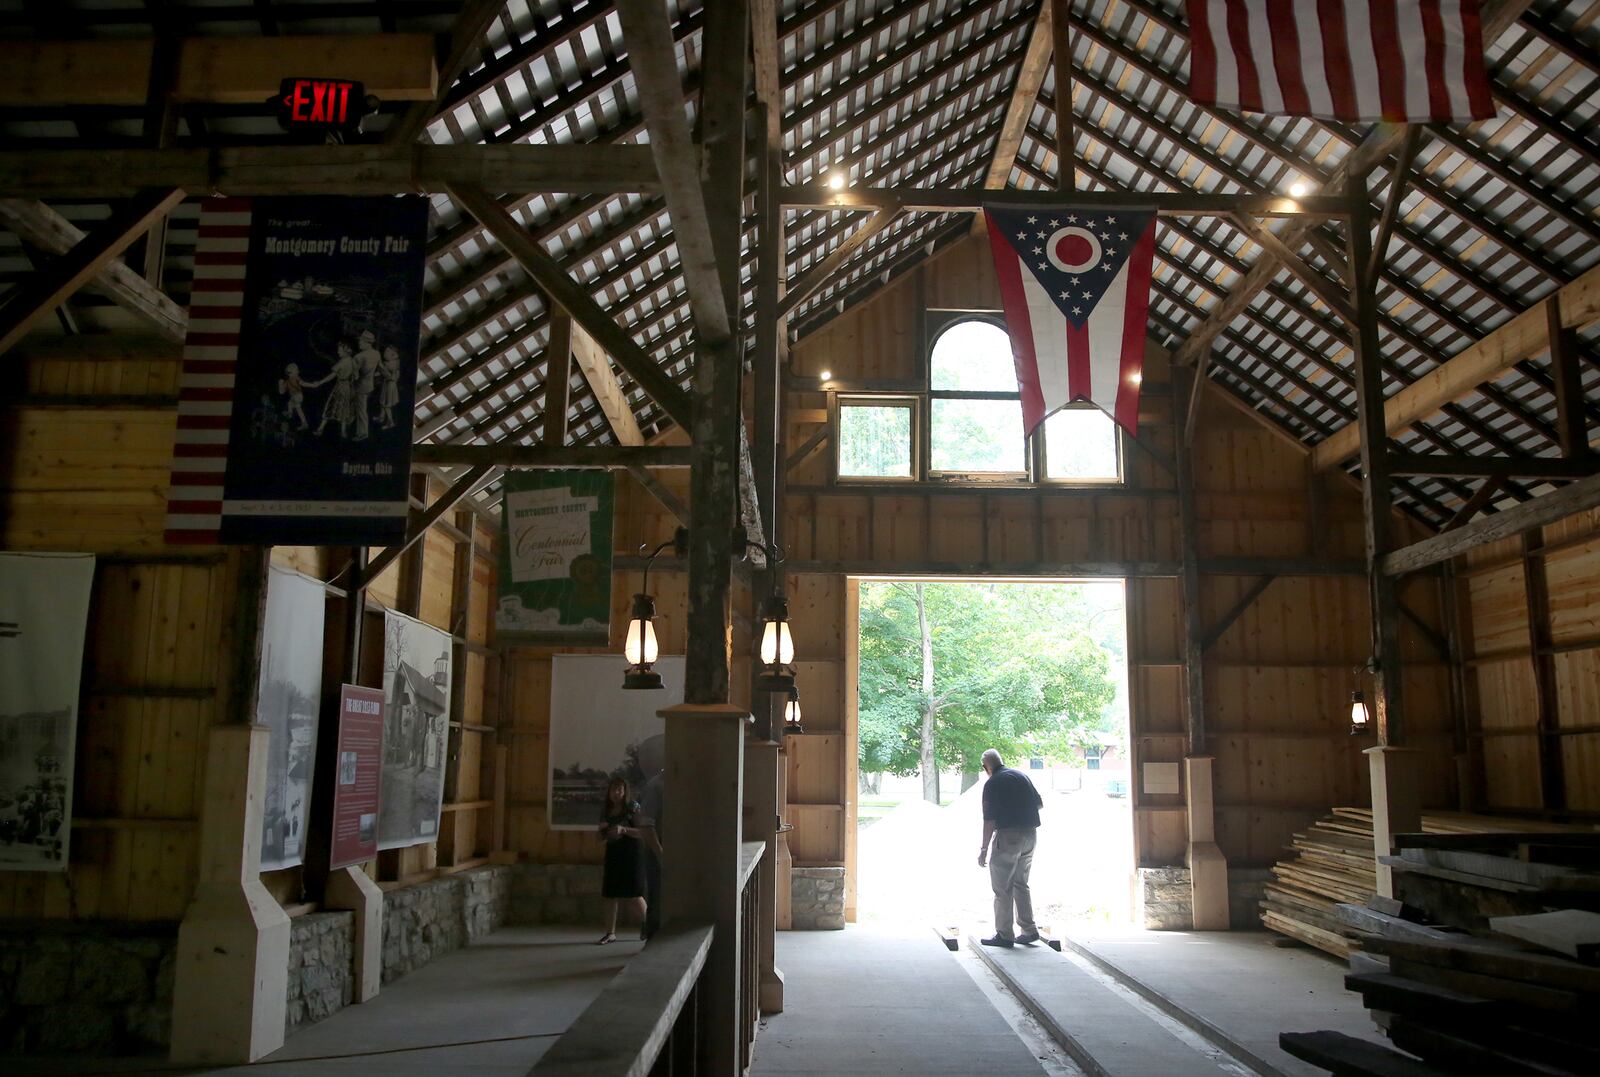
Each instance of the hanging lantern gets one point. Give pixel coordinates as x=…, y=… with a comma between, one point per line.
x=639, y=646
x=791, y=713
x=777, y=646
x=1359, y=718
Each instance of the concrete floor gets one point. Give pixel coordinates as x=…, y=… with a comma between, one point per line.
x=878, y=1000
x=1241, y=986
x=494, y=1007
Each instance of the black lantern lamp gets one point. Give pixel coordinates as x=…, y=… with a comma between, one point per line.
x=639, y=647
x=777, y=643
x=791, y=712
x=1360, y=717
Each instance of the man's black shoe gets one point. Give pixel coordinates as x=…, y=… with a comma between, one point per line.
x=1029, y=939
x=996, y=940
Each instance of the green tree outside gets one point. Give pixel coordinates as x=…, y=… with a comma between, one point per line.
x=949, y=669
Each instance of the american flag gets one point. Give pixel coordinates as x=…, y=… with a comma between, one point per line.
x=1075, y=284
x=1405, y=61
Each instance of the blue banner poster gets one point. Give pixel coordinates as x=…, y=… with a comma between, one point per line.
x=300, y=369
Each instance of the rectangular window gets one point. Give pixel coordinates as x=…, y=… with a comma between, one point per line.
x=876, y=435
x=1081, y=445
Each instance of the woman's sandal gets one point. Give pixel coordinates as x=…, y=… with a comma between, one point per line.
x=607, y=937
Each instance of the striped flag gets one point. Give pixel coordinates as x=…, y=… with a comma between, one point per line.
x=1075, y=284
x=206, y=380
x=1405, y=61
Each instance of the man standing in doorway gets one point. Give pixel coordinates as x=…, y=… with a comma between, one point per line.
x=1011, y=817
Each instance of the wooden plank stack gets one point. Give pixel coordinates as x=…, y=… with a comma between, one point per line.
x=1506, y=978
x=1333, y=863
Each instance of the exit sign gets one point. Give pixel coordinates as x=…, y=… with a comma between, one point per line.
x=321, y=105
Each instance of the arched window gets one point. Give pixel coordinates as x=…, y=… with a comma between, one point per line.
x=975, y=416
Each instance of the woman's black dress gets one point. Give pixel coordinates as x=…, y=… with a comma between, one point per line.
x=624, y=870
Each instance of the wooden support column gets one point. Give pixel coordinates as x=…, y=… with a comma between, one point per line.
x=765, y=761
x=232, y=968
x=1536, y=593
x=1571, y=422
x=1208, y=868
x=558, y=380
x=1395, y=808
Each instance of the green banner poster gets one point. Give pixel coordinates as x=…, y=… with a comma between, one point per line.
x=555, y=568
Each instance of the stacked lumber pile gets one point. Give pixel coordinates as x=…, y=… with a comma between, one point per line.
x=1332, y=864
x=1505, y=976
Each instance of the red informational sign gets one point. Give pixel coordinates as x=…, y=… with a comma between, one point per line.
x=321, y=105
x=357, y=785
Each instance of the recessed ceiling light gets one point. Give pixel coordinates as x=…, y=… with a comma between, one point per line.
x=836, y=179
x=825, y=375
x=1298, y=189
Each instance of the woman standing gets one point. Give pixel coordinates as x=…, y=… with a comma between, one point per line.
x=623, y=879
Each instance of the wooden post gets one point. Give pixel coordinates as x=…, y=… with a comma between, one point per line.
x=700, y=871
x=1061, y=38
x=1395, y=808
x=1208, y=868
x=1194, y=675
x=1536, y=595
x=230, y=995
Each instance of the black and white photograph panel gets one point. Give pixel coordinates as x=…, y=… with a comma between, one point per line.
x=44, y=608
x=598, y=730
x=287, y=702
x=416, y=730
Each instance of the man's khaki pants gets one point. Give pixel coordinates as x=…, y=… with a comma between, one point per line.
x=1010, y=860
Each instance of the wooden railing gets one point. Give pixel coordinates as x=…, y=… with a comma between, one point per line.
x=749, y=947
x=646, y=1021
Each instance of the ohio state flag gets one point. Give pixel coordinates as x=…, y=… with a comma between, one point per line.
x=1075, y=283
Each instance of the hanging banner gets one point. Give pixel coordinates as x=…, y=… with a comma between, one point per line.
x=416, y=730
x=555, y=564
x=288, y=700
x=299, y=372
x=356, y=790
x=44, y=612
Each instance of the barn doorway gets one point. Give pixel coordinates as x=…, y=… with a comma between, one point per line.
x=946, y=668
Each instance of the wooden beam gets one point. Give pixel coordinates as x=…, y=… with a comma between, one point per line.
x=810, y=445
x=557, y=380
x=1320, y=286
x=466, y=36
x=1030, y=77
x=1236, y=611
x=586, y=313
x=1575, y=497
x=215, y=70
x=1061, y=57
x=1522, y=337
x=972, y=199
x=599, y=168
x=1504, y=467
x=1376, y=493
x=1480, y=499
x=1188, y=544
x=1546, y=691
x=819, y=274
x=606, y=388
x=547, y=456
x=50, y=285
x=662, y=493
x=653, y=59
x=37, y=224
x=1572, y=424
x=419, y=526
x=1391, y=203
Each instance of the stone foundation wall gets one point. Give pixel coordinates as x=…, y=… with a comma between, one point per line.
x=1164, y=899
x=321, y=966
x=556, y=894
x=816, y=899
x=1247, y=887
x=85, y=988
x=430, y=919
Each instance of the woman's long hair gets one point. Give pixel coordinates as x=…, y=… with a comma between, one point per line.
x=626, y=798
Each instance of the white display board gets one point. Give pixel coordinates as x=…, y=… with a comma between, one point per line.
x=597, y=728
